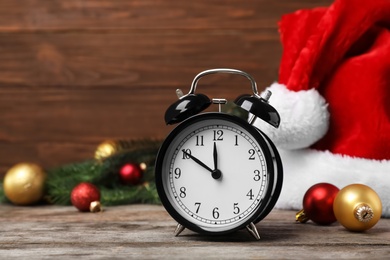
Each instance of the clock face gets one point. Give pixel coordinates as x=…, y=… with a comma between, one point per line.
x=213, y=173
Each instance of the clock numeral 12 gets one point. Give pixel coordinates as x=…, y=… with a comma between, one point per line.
x=218, y=135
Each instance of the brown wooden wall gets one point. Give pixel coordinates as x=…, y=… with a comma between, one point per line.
x=76, y=72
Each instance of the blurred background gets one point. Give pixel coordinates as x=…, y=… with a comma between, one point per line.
x=74, y=73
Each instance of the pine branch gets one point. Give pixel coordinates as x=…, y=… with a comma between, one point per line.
x=3, y=198
x=104, y=174
x=145, y=193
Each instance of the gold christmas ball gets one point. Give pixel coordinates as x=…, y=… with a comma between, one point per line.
x=111, y=147
x=106, y=149
x=24, y=183
x=357, y=207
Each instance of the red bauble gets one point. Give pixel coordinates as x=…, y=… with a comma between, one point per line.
x=83, y=195
x=131, y=173
x=318, y=203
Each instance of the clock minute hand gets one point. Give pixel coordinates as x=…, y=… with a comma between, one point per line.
x=216, y=174
x=197, y=161
x=215, y=155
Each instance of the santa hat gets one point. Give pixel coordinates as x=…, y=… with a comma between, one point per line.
x=333, y=97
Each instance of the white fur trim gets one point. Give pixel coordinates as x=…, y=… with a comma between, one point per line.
x=306, y=167
x=304, y=117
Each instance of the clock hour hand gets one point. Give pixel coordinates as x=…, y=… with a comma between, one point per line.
x=197, y=161
x=216, y=174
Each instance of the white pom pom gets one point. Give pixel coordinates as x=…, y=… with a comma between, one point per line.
x=304, y=117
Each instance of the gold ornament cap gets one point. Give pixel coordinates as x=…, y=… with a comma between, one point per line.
x=357, y=207
x=301, y=216
x=143, y=166
x=95, y=206
x=364, y=213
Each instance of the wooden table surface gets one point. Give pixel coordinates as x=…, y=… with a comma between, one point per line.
x=146, y=232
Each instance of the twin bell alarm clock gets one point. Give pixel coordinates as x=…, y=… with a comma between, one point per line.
x=217, y=173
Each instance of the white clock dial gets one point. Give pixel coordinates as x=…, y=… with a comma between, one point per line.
x=215, y=173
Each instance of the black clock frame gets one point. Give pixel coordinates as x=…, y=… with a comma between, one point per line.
x=272, y=158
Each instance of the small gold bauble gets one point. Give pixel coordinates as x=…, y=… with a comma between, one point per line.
x=106, y=149
x=357, y=207
x=24, y=183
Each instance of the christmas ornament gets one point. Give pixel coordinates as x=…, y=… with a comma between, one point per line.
x=318, y=204
x=357, y=207
x=107, y=149
x=131, y=173
x=111, y=147
x=24, y=183
x=83, y=195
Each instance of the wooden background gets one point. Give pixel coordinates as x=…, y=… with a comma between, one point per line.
x=75, y=72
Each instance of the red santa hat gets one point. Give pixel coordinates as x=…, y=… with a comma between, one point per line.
x=333, y=97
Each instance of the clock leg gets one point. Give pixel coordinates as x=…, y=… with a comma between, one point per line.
x=253, y=230
x=179, y=229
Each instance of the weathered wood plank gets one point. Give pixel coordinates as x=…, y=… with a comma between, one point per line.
x=132, y=59
x=147, y=14
x=58, y=127
x=146, y=232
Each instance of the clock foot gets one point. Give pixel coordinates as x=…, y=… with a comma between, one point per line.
x=179, y=229
x=253, y=230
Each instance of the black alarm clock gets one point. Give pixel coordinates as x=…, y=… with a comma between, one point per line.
x=216, y=173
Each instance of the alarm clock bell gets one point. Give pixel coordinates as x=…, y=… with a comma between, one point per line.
x=191, y=104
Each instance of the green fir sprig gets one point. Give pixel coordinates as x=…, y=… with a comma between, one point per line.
x=3, y=198
x=104, y=174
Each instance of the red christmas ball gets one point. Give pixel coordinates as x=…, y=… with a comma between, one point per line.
x=318, y=203
x=131, y=173
x=83, y=195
